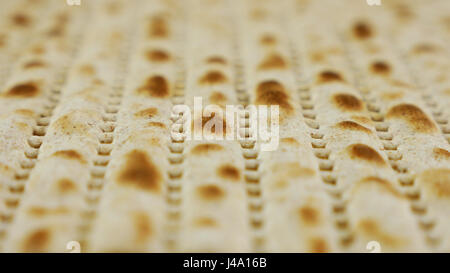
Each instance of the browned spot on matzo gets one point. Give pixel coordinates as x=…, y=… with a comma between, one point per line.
x=87, y=69
x=156, y=124
x=210, y=192
x=329, y=76
x=66, y=186
x=372, y=229
x=37, y=241
x=158, y=55
x=351, y=125
x=380, y=183
x=140, y=172
x=205, y=222
x=216, y=60
x=362, y=30
x=25, y=90
x=158, y=27
x=366, y=153
x=273, y=93
x=268, y=39
x=34, y=64
x=414, y=116
x=348, y=102
x=156, y=86
x=309, y=215
x=21, y=19
x=218, y=98
x=70, y=154
x=213, y=77
x=318, y=245
x=425, y=48
x=440, y=153
x=142, y=226
x=44, y=211
x=290, y=140
x=211, y=121
x=147, y=113
x=273, y=61
x=438, y=181
x=380, y=68
x=229, y=172
x=206, y=148
x=68, y=124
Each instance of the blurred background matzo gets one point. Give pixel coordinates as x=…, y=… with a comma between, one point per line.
x=86, y=152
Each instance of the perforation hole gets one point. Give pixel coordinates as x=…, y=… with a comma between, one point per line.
x=318, y=144
x=31, y=153
x=35, y=142
x=39, y=131
x=104, y=150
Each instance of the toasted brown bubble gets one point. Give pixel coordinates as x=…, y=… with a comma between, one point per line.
x=348, y=102
x=24, y=90
x=309, y=215
x=218, y=98
x=370, y=228
x=113, y=8
x=317, y=56
x=393, y=95
x=142, y=226
x=212, y=118
x=25, y=112
x=258, y=14
x=440, y=153
x=205, y=222
x=366, y=153
x=140, y=172
x=3, y=40
x=403, y=12
x=87, y=69
x=43, y=211
x=268, y=40
x=414, y=116
x=273, y=93
x=210, y=192
x=318, y=245
x=381, y=184
x=68, y=125
x=206, y=148
x=380, y=68
x=156, y=86
x=362, y=30
x=425, y=48
x=290, y=141
x=354, y=126
x=156, y=124
x=56, y=31
x=38, y=50
x=216, y=60
x=70, y=154
x=362, y=119
x=293, y=169
x=329, y=76
x=21, y=19
x=158, y=55
x=66, y=186
x=37, y=241
x=213, y=77
x=273, y=61
x=34, y=64
x=437, y=181
x=147, y=113
x=158, y=27
x=229, y=172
